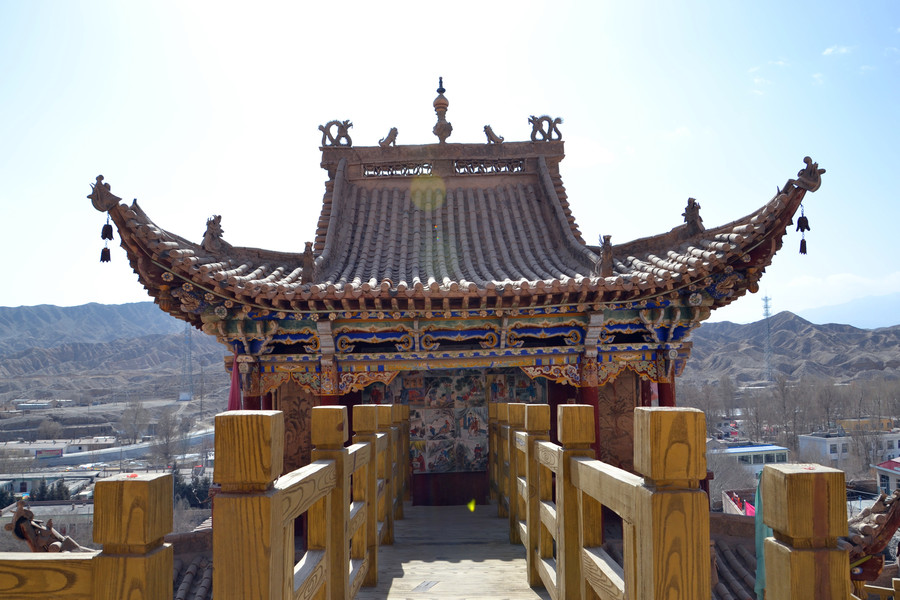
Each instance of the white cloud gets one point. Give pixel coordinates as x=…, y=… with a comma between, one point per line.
x=866, y=68
x=836, y=50
x=753, y=69
x=779, y=63
x=758, y=92
x=761, y=81
x=818, y=78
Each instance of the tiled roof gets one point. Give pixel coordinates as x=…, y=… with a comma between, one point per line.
x=503, y=232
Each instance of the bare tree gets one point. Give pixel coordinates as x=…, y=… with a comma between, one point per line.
x=49, y=430
x=134, y=420
x=166, y=436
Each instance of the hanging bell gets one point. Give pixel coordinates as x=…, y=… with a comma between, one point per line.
x=802, y=223
x=104, y=255
x=803, y=246
x=107, y=232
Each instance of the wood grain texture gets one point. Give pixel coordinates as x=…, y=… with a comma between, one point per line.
x=136, y=577
x=575, y=425
x=249, y=535
x=133, y=511
x=25, y=575
x=805, y=502
x=609, y=485
x=672, y=551
x=249, y=449
x=670, y=443
x=309, y=575
x=603, y=574
x=793, y=574
x=300, y=489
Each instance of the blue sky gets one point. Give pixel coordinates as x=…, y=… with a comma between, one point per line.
x=212, y=108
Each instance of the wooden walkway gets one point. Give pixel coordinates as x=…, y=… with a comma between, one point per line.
x=449, y=552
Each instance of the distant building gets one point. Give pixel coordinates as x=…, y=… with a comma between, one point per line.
x=836, y=446
x=888, y=474
x=754, y=457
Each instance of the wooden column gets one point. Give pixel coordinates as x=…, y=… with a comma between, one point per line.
x=806, y=507
x=253, y=553
x=407, y=467
x=492, y=450
x=502, y=466
x=666, y=393
x=576, y=435
x=537, y=428
x=671, y=547
x=386, y=472
x=365, y=421
x=397, y=421
x=132, y=514
x=516, y=413
x=329, y=517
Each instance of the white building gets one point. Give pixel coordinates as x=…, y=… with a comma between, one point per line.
x=754, y=457
x=836, y=446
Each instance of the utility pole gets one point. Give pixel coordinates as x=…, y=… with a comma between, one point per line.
x=768, y=343
x=187, y=368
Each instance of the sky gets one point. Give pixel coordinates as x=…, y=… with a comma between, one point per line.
x=197, y=109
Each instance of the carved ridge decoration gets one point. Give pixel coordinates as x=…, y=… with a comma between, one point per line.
x=354, y=381
x=545, y=129
x=340, y=138
x=405, y=169
x=489, y=167
x=100, y=196
x=566, y=374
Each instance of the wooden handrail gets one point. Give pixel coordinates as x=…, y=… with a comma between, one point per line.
x=665, y=514
x=806, y=507
x=340, y=491
x=132, y=515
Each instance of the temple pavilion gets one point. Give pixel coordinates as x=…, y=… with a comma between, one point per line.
x=448, y=276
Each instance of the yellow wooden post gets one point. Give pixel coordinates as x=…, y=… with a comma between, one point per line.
x=329, y=518
x=671, y=511
x=252, y=548
x=365, y=421
x=397, y=420
x=806, y=507
x=575, y=429
x=537, y=428
x=516, y=415
x=502, y=466
x=492, y=450
x=386, y=472
x=132, y=514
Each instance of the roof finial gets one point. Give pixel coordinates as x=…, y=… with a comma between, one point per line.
x=442, y=128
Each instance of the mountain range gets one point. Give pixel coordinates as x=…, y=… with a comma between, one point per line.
x=105, y=352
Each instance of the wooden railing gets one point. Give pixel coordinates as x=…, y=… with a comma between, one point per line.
x=254, y=514
x=132, y=515
x=555, y=494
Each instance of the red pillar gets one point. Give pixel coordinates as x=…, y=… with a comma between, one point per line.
x=666, y=393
